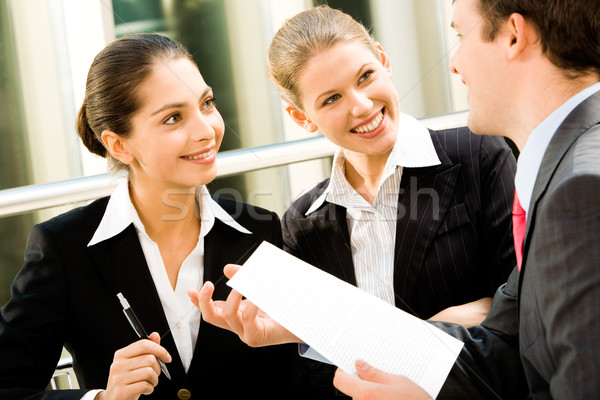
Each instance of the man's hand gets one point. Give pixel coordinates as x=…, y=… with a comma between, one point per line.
x=467, y=315
x=372, y=383
x=252, y=325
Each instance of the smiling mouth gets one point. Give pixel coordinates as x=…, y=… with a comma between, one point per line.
x=199, y=156
x=371, y=126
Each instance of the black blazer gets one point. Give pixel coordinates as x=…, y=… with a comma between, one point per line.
x=541, y=336
x=454, y=239
x=65, y=294
x=453, y=235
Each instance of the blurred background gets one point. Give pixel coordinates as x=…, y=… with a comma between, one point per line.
x=47, y=46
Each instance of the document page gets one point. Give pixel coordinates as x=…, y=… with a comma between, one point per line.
x=344, y=323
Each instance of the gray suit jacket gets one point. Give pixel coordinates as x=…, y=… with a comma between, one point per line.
x=541, y=338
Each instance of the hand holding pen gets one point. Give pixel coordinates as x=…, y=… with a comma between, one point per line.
x=138, y=328
x=135, y=368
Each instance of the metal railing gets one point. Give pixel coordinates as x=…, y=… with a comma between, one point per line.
x=36, y=197
x=64, y=375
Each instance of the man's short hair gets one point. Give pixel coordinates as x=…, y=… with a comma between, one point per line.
x=569, y=29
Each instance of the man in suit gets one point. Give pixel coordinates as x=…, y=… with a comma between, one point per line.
x=532, y=68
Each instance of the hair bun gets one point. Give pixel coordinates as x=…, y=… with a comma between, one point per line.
x=87, y=135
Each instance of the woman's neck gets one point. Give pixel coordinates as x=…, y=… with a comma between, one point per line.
x=165, y=212
x=170, y=220
x=363, y=173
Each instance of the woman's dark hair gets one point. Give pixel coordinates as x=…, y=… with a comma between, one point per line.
x=111, y=92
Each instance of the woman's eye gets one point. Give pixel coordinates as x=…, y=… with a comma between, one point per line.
x=331, y=99
x=209, y=103
x=172, y=119
x=365, y=76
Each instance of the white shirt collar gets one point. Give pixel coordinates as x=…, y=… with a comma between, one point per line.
x=533, y=152
x=120, y=213
x=413, y=149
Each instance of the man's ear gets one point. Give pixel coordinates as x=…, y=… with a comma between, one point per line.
x=385, y=59
x=520, y=35
x=116, y=147
x=300, y=118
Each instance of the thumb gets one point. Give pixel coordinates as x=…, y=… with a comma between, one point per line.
x=230, y=269
x=155, y=337
x=369, y=373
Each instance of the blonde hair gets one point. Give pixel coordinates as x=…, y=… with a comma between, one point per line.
x=305, y=35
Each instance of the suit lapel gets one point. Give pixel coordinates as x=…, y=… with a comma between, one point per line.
x=333, y=246
x=582, y=118
x=424, y=197
x=222, y=245
x=123, y=267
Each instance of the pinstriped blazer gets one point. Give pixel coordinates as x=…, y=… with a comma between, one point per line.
x=459, y=253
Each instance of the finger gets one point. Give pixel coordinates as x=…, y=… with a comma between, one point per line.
x=148, y=360
x=346, y=383
x=160, y=352
x=193, y=294
x=203, y=298
x=130, y=391
x=139, y=388
x=121, y=368
x=368, y=372
x=383, y=382
x=144, y=361
x=144, y=373
x=232, y=313
x=140, y=381
x=142, y=347
x=230, y=269
x=212, y=311
x=253, y=332
x=250, y=314
x=155, y=337
x=152, y=361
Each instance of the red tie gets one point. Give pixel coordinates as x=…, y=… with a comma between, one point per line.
x=519, y=225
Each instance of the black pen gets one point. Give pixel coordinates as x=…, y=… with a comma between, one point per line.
x=138, y=328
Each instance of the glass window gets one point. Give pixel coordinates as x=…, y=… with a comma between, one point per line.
x=14, y=167
x=45, y=50
x=228, y=41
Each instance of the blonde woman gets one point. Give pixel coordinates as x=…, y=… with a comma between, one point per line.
x=419, y=218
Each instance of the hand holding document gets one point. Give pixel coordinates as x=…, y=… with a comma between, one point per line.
x=344, y=323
